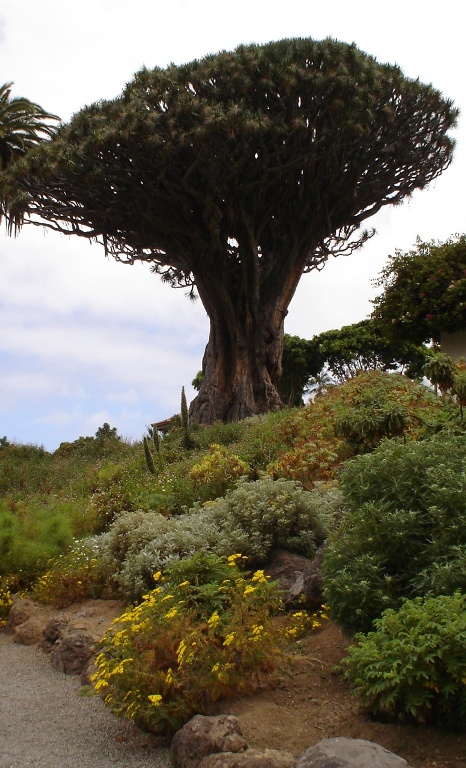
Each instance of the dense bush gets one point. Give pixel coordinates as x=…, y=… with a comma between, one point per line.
x=216, y=472
x=253, y=518
x=129, y=534
x=185, y=536
x=413, y=666
x=75, y=575
x=29, y=536
x=272, y=514
x=22, y=466
x=205, y=634
x=350, y=419
x=404, y=534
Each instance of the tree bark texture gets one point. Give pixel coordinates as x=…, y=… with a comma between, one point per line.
x=246, y=305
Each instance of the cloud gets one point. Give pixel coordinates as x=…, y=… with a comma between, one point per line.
x=86, y=340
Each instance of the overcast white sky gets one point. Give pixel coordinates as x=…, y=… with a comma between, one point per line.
x=84, y=340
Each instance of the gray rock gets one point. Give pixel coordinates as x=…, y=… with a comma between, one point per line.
x=349, y=753
x=203, y=736
x=72, y=653
x=251, y=758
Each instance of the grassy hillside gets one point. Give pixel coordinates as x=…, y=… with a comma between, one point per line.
x=374, y=467
x=48, y=501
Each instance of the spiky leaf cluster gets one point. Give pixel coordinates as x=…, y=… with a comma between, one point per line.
x=23, y=125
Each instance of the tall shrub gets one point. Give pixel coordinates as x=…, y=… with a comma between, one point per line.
x=404, y=534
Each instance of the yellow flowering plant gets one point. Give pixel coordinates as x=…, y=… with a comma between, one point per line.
x=6, y=583
x=301, y=623
x=188, y=643
x=216, y=472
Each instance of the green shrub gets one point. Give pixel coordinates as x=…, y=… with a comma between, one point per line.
x=29, y=537
x=129, y=533
x=188, y=644
x=108, y=503
x=216, y=472
x=23, y=467
x=164, y=544
x=219, y=433
x=175, y=484
x=310, y=444
x=264, y=438
x=404, y=534
x=253, y=518
x=413, y=666
x=273, y=514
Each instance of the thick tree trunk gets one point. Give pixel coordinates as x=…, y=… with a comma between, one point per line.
x=242, y=360
x=241, y=372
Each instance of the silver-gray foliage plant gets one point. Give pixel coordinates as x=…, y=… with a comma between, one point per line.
x=254, y=518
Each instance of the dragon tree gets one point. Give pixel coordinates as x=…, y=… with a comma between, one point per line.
x=232, y=176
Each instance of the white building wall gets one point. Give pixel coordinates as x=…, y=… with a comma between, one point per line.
x=454, y=344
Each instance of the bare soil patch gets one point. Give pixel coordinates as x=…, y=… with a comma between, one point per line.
x=310, y=701
x=307, y=700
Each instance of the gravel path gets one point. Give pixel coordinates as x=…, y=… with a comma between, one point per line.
x=45, y=721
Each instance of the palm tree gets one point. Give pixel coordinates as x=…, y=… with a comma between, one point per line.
x=23, y=125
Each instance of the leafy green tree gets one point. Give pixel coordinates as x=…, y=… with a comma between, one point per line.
x=106, y=432
x=234, y=174
x=365, y=347
x=424, y=291
x=440, y=369
x=301, y=360
x=23, y=125
x=197, y=381
x=337, y=355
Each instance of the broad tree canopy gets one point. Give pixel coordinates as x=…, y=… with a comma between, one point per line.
x=233, y=175
x=424, y=291
x=364, y=346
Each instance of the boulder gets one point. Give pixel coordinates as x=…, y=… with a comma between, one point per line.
x=299, y=577
x=71, y=654
x=53, y=632
x=88, y=671
x=21, y=610
x=349, y=753
x=251, y=758
x=29, y=632
x=312, y=592
x=203, y=736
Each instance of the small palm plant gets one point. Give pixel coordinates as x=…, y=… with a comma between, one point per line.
x=23, y=125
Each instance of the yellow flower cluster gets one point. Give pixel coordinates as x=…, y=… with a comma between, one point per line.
x=167, y=656
x=222, y=672
x=302, y=623
x=155, y=699
x=5, y=599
